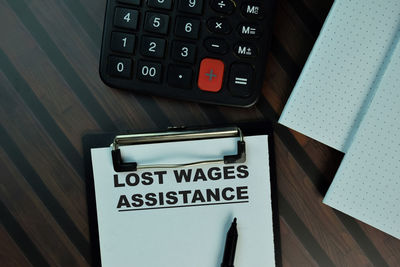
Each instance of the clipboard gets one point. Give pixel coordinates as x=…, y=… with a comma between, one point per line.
x=120, y=139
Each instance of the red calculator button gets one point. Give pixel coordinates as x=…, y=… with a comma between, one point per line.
x=211, y=74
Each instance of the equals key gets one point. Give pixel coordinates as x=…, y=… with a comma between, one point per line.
x=241, y=79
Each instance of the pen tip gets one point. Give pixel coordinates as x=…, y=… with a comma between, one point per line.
x=234, y=220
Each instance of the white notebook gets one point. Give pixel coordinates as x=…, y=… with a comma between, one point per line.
x=137, y=229
x=347, y=97
x=340, y=76
x=367, y=184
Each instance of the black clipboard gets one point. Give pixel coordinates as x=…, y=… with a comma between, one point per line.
x=98, y=140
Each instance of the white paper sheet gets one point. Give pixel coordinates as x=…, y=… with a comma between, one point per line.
x=187, y=236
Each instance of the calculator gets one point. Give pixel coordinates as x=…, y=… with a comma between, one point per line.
x=210, y=51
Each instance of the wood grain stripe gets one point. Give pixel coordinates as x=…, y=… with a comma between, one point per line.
x=44, y=194
x=306, y=201
x=60, y=177
x=287, y=63
x=63, y=66
x=303, y=233
x=297, y=255
x=20, y=237
x=312, y=23
x=42, y=114
x=303, y=159
x=81, y=14
x=362, y=239
x=10, y=253
x=34, y=218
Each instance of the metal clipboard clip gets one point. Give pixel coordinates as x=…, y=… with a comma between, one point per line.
x=176, y=135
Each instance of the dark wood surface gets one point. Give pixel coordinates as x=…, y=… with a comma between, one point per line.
x=51, y=95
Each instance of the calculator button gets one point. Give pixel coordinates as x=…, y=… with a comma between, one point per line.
x=249, y=30
x=155, y=22
x=219, y=25
x=126, y=18
x=120, y=66
x=253, y=10
x=152, y=47
x=149, y=71
x=245, y=50
x=211, y=75
x=240, y=79
x=223, y=6
x=130, y=2
x=187, y=27
x=122, y=42
x=180, y=76
x=214, y=45
x=191, y=6
x=184, y=52
x=163, y=4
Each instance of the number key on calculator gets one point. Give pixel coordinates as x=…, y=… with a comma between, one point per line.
x=210, y=51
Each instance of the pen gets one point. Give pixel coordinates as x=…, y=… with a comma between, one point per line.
x=230, y=246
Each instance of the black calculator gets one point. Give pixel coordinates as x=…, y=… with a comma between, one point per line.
x=210, y=51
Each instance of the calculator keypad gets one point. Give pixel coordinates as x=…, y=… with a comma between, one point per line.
x=191, y=6
x=180, y=76
x=120, y=66
x=216, y=45
x=152, y=46
x=219, y=25
x=149, y=71
x=122, y=42
x=162, y=4
x=244, y=49
x=240, y=79
x=156, y=22
x=249, y=30
x=253, y=9
x=126, y=18
x=187, y=27
x=211, y=75
x=183, y=52
x=223, y=6
x=210, y=51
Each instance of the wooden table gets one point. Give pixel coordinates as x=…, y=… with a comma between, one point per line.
x=51, y=95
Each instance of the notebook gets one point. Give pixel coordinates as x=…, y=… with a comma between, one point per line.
x=342, y=72
x=179, y=216
x=346, y=97
x=367, y=184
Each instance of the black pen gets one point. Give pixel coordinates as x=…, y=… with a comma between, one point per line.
x=230, y=246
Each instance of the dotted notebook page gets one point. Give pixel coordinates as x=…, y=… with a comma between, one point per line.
x=367, y=184
x=338, y=79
